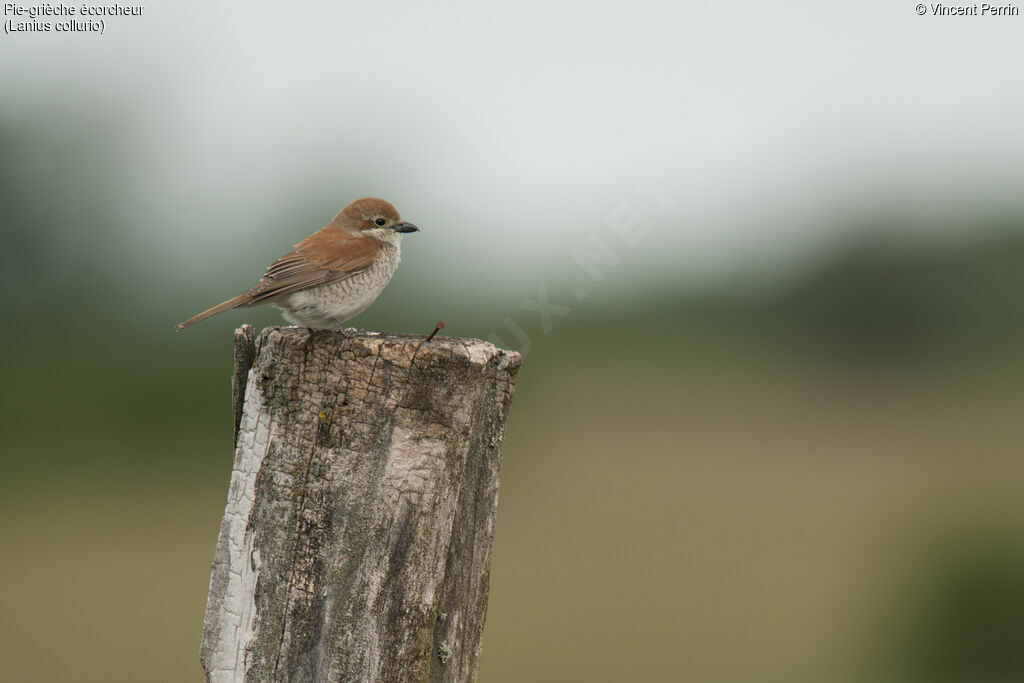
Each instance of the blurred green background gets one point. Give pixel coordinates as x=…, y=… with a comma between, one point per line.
x=772, y=432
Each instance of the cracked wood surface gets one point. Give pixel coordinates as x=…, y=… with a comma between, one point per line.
x=356, y=540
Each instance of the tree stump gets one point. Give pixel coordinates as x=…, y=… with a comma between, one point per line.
x=356, y=540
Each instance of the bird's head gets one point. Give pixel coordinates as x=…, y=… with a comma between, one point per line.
x=372, y=217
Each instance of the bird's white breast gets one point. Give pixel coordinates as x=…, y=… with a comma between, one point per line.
x=331, y=304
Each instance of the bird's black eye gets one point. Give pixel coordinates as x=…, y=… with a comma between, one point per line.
x=381, y=222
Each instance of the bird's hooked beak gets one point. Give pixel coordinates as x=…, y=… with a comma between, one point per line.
x=404, y=227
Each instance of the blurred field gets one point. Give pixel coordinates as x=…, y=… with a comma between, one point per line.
x=747, y=517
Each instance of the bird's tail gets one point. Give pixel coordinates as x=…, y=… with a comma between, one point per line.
x=240, y=300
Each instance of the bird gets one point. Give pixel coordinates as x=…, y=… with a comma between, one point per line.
x=332, y=275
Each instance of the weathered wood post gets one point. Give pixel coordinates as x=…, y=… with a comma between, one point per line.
x=356, y=540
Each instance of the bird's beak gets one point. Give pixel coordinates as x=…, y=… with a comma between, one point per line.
x=404, y=227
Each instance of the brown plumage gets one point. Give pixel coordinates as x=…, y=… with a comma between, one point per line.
x=364, y=235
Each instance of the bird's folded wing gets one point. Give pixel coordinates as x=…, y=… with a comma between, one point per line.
x=326, y=256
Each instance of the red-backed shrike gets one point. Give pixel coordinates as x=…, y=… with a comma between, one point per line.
x=335, y=273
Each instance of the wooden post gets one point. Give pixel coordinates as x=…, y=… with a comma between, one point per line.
x=356, y=540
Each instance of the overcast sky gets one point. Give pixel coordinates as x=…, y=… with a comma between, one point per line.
x=511, y=133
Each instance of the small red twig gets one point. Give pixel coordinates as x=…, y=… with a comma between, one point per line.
x=437, y=328
x=440, y=326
